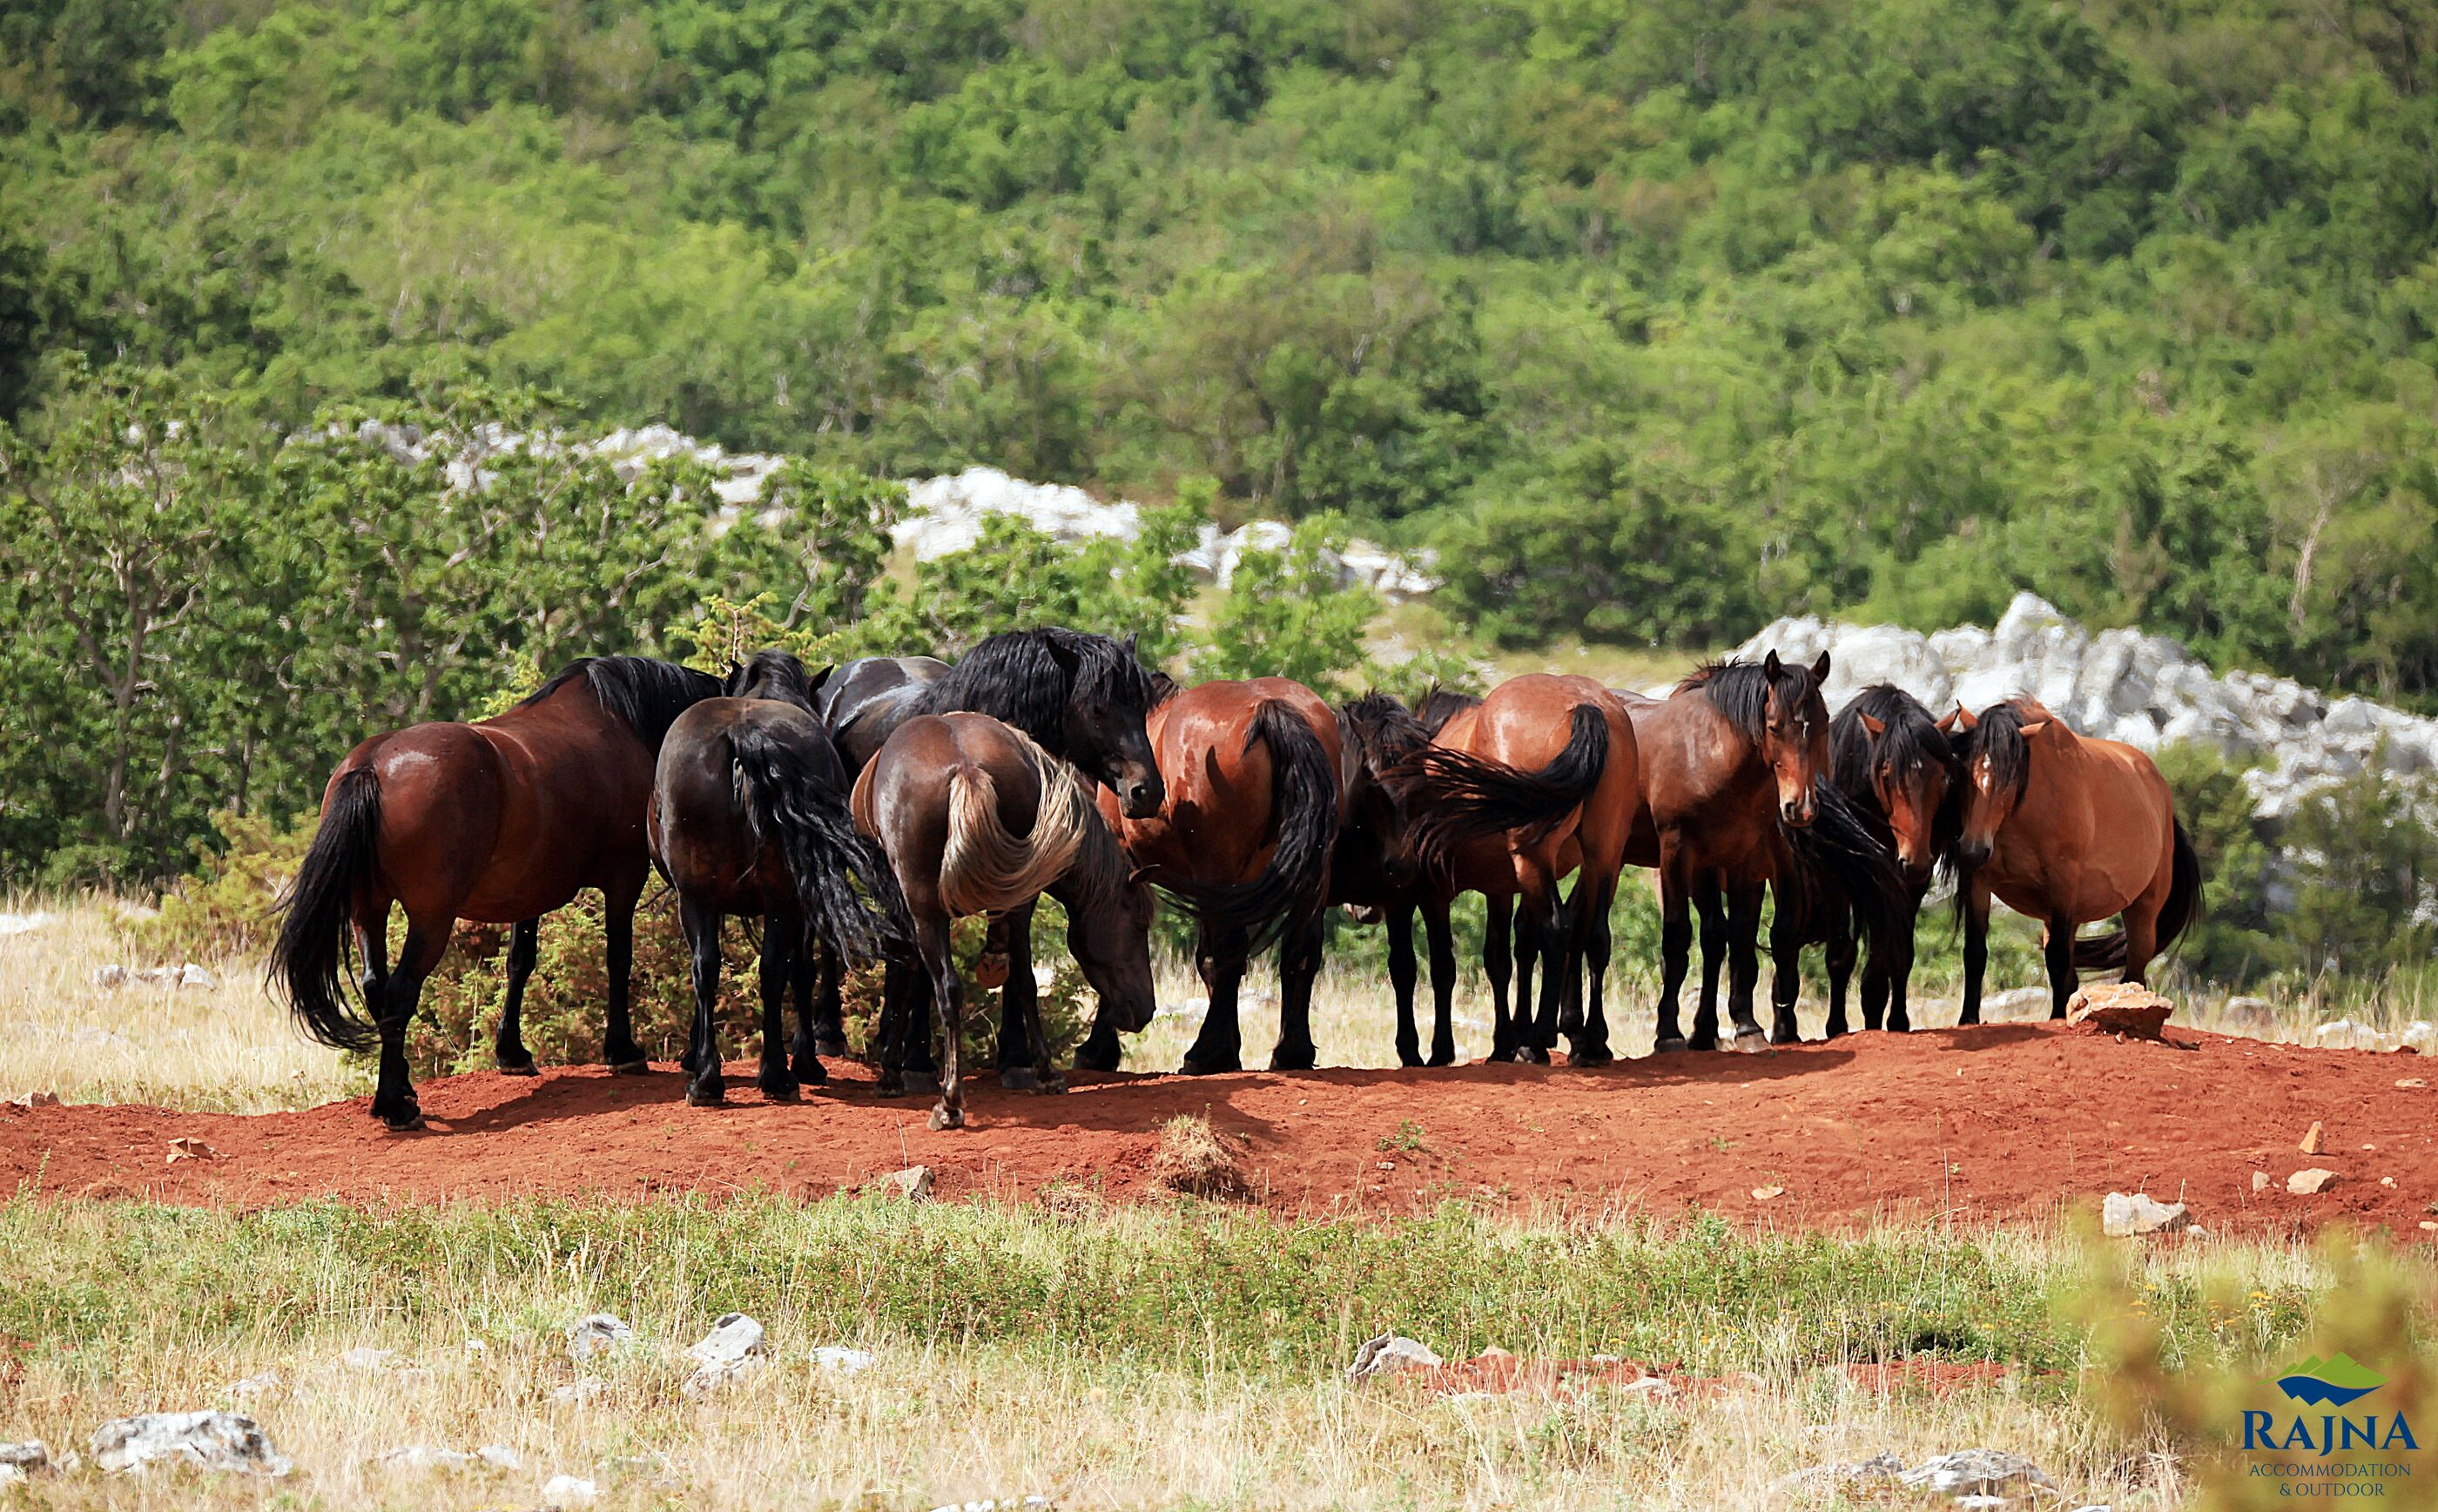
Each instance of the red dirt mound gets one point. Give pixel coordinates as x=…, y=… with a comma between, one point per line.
x=1990, y=1123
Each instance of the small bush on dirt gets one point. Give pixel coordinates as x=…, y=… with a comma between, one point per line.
x=1193, y=1160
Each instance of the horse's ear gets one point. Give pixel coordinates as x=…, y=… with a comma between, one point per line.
x=2035, y=728
x=1877, y=726
x=814, y=679
x=1132, y=636
x=1966, y=718
x=1820, y=668
x=1771, y=666
x=1063, y=652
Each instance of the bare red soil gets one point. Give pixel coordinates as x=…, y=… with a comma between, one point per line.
x=2004, y=1121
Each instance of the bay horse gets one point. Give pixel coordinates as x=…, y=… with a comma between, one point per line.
x=749, y=816
x=1890, y=760
x=976, y=818
x=1082, y=697
x=1733, y=785
x=1256, y=773
x=499, y=821
x=1541, y=777
x=2068, y=830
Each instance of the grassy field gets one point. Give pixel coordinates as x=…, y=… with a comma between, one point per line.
x=1166, y=1357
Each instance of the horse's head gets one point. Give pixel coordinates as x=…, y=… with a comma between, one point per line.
x=1372, y=843
x=775, y=673
x=1997, y=763
x=1908, y=765
x=1794, y=734
x=1108, y=932
x=1110, y=694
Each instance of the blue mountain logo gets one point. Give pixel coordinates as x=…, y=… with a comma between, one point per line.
x=2328, y=1383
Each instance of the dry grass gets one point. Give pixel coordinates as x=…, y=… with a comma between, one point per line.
x=1193, y=1161
x=222, y=1048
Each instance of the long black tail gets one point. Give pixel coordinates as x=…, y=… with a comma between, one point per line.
x=308, y=961
x=1456, y=796
x=1303, y=802
x=786, y=804
x=2178, y=914
x=1846, y=855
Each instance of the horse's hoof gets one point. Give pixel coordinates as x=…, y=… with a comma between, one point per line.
x=1673, y=1044
x=1746, y=1042
x=1302, y=1058
x=828, y=1044
x=1019, y=1078
x=699, y=1096
x=1442, y=1056
x=1785, y=1036
x=990, y=970
x=889, y=1086
x=1589, y=1055
x=944, y=1117
x=1531, y=1055
x=405, y=1122
x=777, y=1089
x=810, y=1072
x=1409, y=1057
x=1052, y=1084
x=1900, y=1026
x=1193, y=1066
x=1089, y=1057
x=524, y=1068
x=638, y=1067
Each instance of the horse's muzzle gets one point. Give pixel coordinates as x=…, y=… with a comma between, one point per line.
x=1797, y=816
x=1972, y=853
x=1141, y=796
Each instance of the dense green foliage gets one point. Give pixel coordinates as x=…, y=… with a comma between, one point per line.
x=1663, y=315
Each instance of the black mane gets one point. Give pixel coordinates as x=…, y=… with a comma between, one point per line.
x=1909, y=740
x=1741, y=691
x=1382, y=730
x=1438, y=705
x=1999, y=739
x=776, y=674
x=1028, y=677
x=645, y=695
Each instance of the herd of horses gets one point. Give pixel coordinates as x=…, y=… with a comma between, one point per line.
x=860, y=810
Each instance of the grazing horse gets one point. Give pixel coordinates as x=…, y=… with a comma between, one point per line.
x=1733, y=769
x=1080, y=696
x=975, y=817
x=1890, y=760
x=1256, y=774
x=499, y=821
x=2068, y=830
x=1542, y=776
x=748, y=817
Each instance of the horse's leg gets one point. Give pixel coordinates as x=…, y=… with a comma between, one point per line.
x=919, y=1002
x=394, y=1099
x=1676, y=948
x=705, y=1086
x=1401, y=981
x=1786, y=933
x=2063, y=979
x=1298, y=968
x=1019, y=1004
x=618, y=899
x=1592, y=902
x=1528, y=951
x=806, y=964
x=1497, y=963
x=1441, y=940
x=1841, y=953
x=931, y=934
x=1899, y=968
x=1744, y=962
x=1538, y=922
x=1976, y=949
x=1714, y=955
x=509, y=1050
x=781, y=938
x=899, y=982
x=1220, y=1047
x=1101, y=1049
x=2141, y=937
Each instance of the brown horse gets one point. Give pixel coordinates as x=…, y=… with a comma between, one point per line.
x=499, y=821
x=1256, y=773
x=977, y=818
x=748, y=817
x=1731, y=780
x=1544, y=775
x=2067, y=830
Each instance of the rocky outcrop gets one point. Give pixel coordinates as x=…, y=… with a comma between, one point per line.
x=2145, y=689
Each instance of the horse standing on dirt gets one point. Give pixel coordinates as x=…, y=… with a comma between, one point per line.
x=2067, y=830
x=1373, y=873
x=1542, y=776
x=749, y=816
x=1890, y=760
x=1734, y=769
x=1256, y=772
x=977, y=818
x=499, y=821
x=1082, y=697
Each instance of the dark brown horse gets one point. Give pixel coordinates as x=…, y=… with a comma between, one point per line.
x=2068, y=830
x=1373, y=872
x=1543, y=777
x=749, y=816
x=977, y=818
x=1082, y=697
x=1900, y=773
x=1255, y=773
x=499, y=821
